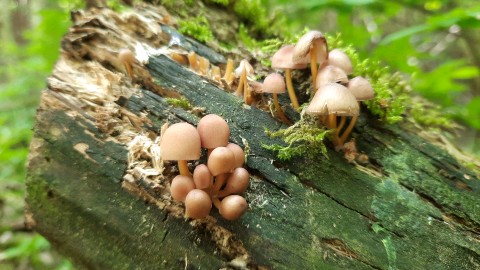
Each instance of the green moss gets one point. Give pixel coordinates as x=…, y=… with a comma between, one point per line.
x=252, y=11
x=198, y=28
x=219, y=2
x=304, y=138
x=179, y=102
x=430, y=115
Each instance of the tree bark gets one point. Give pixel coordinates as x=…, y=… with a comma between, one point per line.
x=413, y=206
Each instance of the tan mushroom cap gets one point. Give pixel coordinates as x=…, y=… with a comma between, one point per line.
x=274, y=83
x=126, y=56
x=233, y=207
x=202, y=177
x=244, y=63
x=221, y=160
x=197, y=204
x=339, y=58
x=238, y=153
x=282, y=59
x=333, y=98
x=213, y=131
x=303, y=47
x=331, y=74
x=180, y=142
x=255, y=86
x=181, y=185
x=361, y=88
x=238, y=181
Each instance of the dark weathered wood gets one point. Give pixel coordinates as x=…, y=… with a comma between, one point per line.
x=412, y=207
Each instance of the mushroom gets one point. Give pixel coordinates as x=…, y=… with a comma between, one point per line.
x=228, y=76
x=243, y=71
x=332, y=100
x=339, y=58
x=238, y=154
x=197, y=204
x=181, y=185
x=127, y=58
x=282, y=59
x=202, y=177
x=181, y=142
x=232, y=207
x=275, y=84
x=237, y=183
x=312, y=46
x=213, y=131
x=331, y=74
x=362, y=90
x=220, y=162
x=193, y=61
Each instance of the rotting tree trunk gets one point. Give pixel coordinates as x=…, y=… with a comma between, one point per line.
x=412, y=207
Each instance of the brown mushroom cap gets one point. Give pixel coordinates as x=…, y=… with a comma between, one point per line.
x=181, y=185
x=202, y=177
x=255, y=86
x=233, y=207
x=238, y=153
x=302, y=49
x=333, y=98
x=213, y=131
x=282, y=59
x=361, y=88
x=180, y=142
x=274, y=83
x=339, y=58
x=238, y=181
x=331, y=74
x=221, y=160
x=126, y=56
x=197, y=204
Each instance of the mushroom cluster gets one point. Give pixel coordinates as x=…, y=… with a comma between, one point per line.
x=219, y=182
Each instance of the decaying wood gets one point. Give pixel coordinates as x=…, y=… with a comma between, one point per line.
x=98, y=193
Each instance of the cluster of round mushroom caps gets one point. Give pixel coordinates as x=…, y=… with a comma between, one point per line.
x=220, y=181
x=335, y=95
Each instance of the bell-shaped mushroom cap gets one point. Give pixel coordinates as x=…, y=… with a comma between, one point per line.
x=181, y=185
x=197, y=204
x=304, y=45
x=238, y=181
x=339, y=58
x=221, y=160
x=244, y=63
x=282, y=59
x=213, y=131
x=333, y=98
x=274, y=83
x=238, y=153
x=180, y=142
x=202, y=177
x=361, y=88
x=255, y=86
x=233, y=207
x=331, y=74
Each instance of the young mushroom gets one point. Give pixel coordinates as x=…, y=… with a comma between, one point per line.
x=238, y=154
x=228, y=76
x=332, y=100
x=197, y=204
x=213, y=131
x=339, y=58
x=331, y=74
x=128, y=59
x=202, y=177
x=220, y=162
x=243, y=71
x=282, y=59
x=181, y=185
x=181, y=142
x=237, y=183
x=275, y=84
x=311, y=46
x=232, y=207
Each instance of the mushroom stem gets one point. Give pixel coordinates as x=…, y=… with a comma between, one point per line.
x=192, y=60
x=223, y=193
x=128, y=67
x=280, y=113
x=183, y=168
x=246, y=91
x=347, y=132
x=219, y=182
x=291, y=91
x=313, y=66
x=241, y=82
x=216, y=202
x=332, y=123
x=342, y=123
x=228, y=71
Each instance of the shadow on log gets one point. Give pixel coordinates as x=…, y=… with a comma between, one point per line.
x=413, y=206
